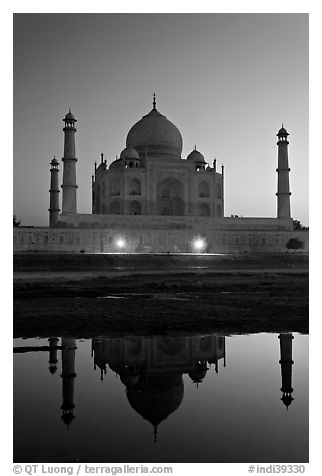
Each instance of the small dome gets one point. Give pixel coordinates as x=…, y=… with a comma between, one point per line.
x=69, y=116
x=282, y=132
x=198, y=373
x=54, y=161
x=53, y=369
x=116, y=164
x=129, y=153
x=130, y=380
x=196, y=156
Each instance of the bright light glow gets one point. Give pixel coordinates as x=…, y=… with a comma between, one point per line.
x=120, y=243
x=199, y=244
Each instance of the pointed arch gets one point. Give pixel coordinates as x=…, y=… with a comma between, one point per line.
x=115, y=208
x=135, y=208
x=135, y=187
x=115, y=186
x=203, y=189
x=204, y=210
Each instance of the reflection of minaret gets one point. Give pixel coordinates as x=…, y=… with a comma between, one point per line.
x=68, y=375
x=53, y=341
x=286, y=368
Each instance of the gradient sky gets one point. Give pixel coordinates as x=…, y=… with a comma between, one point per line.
x=227, y=81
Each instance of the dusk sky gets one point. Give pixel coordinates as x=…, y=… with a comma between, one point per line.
x=227, y=81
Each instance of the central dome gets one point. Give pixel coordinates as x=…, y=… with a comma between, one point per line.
x=154, y=134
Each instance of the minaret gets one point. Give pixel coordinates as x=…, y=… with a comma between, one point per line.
x=93, y=195
x=222, y=190
x=54, y=193
x=69, y=176
x=283, y=172
x=68, y=375
x=286, y=368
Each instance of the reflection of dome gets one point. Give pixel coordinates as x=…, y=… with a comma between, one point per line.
x=156, y=134
x=196, y=156
x=156, y=398
x=129, y=153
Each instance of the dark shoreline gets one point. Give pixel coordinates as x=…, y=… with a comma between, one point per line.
x=225, y=300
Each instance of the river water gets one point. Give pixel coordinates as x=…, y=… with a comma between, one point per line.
x=207, y=398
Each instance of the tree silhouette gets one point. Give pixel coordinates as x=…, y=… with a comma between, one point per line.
x=294, y=244
x=297, y=225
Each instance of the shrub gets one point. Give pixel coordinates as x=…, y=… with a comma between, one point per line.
x=294, y=244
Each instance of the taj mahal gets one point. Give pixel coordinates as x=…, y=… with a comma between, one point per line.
x=150, y=178
x=151, y=199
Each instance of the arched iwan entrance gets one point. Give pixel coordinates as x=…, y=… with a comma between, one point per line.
x=170, y=197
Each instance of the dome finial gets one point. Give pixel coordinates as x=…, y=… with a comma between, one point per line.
x=154, y=102
x=195, y=148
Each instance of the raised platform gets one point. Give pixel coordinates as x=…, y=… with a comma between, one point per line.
x=131, y=234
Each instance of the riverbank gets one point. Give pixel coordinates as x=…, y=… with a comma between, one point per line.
x=265, y=295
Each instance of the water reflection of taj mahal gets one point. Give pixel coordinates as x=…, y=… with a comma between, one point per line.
x=152, y=369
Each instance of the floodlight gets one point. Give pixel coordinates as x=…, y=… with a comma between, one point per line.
x=199, y=245
x=120, y=243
